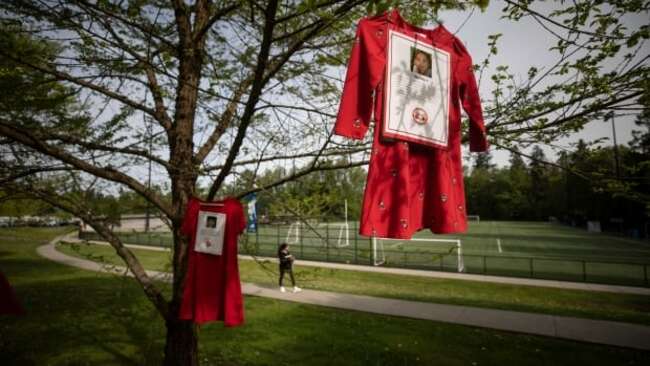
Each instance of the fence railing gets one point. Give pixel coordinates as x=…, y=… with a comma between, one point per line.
x=327, y=247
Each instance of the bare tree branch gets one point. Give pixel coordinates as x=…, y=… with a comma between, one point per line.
x=585, y=112
x=257, y=85
x=262, y=76
x=31, y=171
x=132, y=262
x=26, y=138
x=224, y=121
x=79, y=81
x=300, y=173
x=218, y=14
x=291, y=157
x=142, y=28
x=525, y=8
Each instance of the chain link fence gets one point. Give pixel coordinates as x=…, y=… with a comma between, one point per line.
x=339, y=243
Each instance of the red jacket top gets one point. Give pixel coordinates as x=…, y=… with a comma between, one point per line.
x=410, y=187
x=212, y=289
x=8, y=302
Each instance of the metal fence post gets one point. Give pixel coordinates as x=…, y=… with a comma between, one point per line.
x=327, y=242
x=301, y=244
x=356, y=237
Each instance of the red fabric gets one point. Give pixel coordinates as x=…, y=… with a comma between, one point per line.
x=409, y=187
x=8, y=302
x=212, y=289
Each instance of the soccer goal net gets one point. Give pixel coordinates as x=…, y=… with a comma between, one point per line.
x=343, y=239
x=332, y=234
x=420, y=251
x=293, y=233
x=338, y=230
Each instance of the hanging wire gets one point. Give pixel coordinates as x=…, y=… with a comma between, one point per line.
x=465, y=21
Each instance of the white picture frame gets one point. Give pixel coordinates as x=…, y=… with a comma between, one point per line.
x=210, y=232
x=417, y=100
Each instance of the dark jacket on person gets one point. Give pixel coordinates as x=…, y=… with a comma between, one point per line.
x=286, y=260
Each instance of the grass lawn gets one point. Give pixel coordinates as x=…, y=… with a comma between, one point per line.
x=78, y=317
x=597, y=305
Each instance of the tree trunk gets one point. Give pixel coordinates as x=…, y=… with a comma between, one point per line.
x=181, y=348
x=182, y=343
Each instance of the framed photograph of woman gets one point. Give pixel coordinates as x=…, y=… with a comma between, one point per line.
x=417, y=91
x=420, y=62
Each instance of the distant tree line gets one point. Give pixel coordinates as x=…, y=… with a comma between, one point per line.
x=591, y=183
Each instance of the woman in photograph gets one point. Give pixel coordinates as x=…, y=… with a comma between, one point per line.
x=421, y=63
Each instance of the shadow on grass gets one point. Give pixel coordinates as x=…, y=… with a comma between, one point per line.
x=22, y=269
x=94, y=319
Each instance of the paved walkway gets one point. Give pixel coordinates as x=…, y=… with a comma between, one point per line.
x=585, y=330
x=437, y=274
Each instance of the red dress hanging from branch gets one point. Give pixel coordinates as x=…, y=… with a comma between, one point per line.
x=212, y=289
x=413, y=81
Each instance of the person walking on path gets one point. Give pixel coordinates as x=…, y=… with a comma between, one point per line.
x=286, y=266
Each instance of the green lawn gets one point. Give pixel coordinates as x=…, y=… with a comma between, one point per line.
x=78, y=317
x=597, y=305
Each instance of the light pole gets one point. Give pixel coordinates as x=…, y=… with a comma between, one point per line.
x=611, y=116
x=150, y=137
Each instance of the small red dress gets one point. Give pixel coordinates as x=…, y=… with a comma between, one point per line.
x=212, y=289
x=8, y=302
x=410, y=186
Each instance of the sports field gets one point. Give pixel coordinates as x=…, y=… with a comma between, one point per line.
x=521, y=249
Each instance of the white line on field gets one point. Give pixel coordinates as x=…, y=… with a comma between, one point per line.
x=499, y=244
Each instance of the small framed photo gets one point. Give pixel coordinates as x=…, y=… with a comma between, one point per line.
x=420, y=62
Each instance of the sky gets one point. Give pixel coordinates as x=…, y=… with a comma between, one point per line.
x=521, y=43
